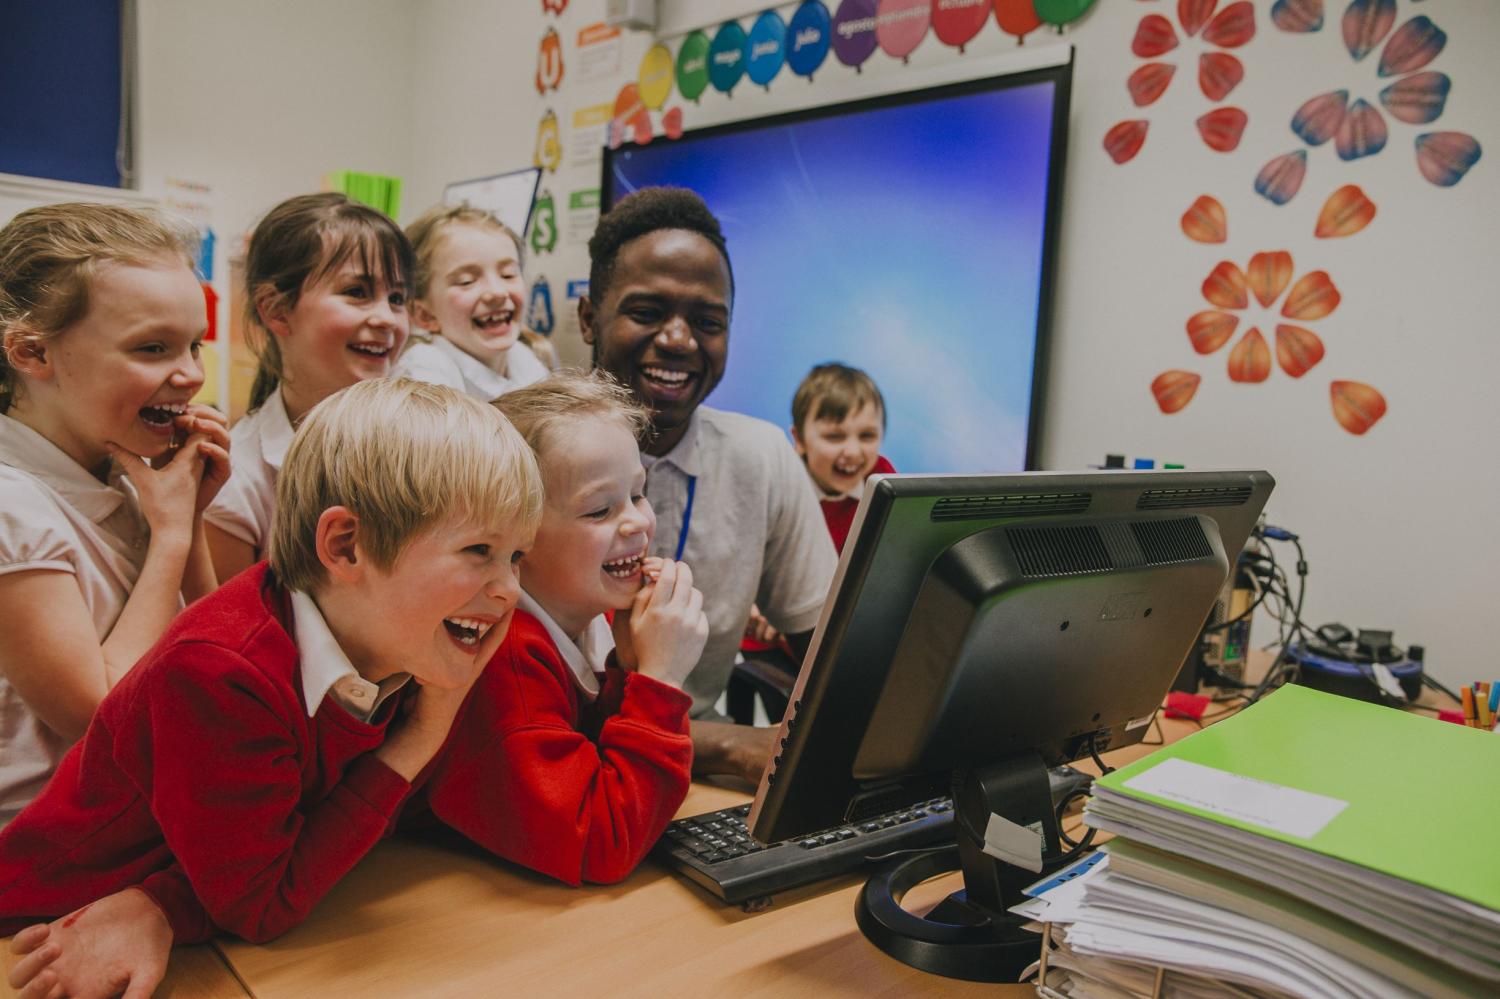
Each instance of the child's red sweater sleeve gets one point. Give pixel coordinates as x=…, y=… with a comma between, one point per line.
x=523, y=782
x=223, y=763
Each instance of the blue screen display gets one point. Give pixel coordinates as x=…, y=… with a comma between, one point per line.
x=904, y=239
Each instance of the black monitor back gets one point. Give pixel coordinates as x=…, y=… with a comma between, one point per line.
x=974, y=616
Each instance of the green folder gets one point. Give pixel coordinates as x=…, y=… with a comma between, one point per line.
x=1422, y=797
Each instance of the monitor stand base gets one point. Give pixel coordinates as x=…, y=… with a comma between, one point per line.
x=970, y=934
x=956, y=939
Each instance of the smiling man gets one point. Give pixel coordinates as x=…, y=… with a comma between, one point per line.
x=731, y=497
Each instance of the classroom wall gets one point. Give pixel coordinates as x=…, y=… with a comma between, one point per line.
x=241, y=105
x=1398, y=523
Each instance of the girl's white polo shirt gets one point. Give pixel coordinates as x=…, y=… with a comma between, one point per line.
x=257, y=447
x=55, y=516
x=435, y=359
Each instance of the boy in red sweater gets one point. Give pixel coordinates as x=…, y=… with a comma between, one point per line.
x=594, y=742
x=838, y=422
x=283, y=723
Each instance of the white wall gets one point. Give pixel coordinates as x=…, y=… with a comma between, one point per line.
x=475, y=108
x=259, y=100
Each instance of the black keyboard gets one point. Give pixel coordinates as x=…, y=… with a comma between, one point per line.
x=716, y=851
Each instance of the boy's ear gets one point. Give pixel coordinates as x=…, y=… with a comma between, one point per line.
x=797, y=443
x=337, y=544
x=26, y=353
x=271, y=307
x=423, y=317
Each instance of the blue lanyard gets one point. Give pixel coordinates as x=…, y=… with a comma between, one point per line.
x=687, y=516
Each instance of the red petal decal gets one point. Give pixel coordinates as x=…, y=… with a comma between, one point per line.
x=1205, y=221
x=1269, y=275
x=1356, y=406
x=1149, y=82
x=1194, y=14
x=1233, y=27
x=1312, y=297
x=1209, y=330
x=1225, y=287
x=1345, y=213
x=1218, y=74
x=1174, y=389
x=1250, y=360
x=1153, y=37
x=1125, y=140
x=671, y=123
x=1221, y=128
x=1297, y=349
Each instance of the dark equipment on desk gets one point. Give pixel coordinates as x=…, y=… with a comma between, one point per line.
x=1223, y=647
x=1367, y=666
x=982, y=629
x=716, y=849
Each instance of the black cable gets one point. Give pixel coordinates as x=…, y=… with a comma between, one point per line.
x=1094, y=755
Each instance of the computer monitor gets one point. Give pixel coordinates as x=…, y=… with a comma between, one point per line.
x=981, y=629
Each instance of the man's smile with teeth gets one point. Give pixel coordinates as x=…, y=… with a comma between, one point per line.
x=467, y=630
x=665, y=376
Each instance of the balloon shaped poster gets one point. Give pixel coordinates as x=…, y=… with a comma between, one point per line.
x=539, y=315
x=549, y=62
x=692, y=65
x=900, y=26
x=956, y=22
x=548, y=151
x=654, y=81
x=726, y=57
x=854, y=32
x=1060, y=12
x=767, y=48
x=808, y=38
x=1017, y=17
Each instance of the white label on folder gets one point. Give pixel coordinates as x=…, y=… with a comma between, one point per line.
x=1272, y=806
x=1014, y=843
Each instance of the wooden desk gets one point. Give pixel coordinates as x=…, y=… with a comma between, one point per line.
x=442, y=918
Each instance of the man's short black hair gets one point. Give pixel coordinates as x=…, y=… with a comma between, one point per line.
x=641, y=213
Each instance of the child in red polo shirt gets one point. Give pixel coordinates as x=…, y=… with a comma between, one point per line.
x=838, y=423
x=594, y=746
x=284, y=723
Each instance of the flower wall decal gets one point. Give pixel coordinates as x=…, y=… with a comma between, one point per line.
x=1357, y=128
x=1270, y=280
x=1219, y=72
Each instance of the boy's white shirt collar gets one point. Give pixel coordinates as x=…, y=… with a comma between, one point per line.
x=326, y=669
x=276, y=430
x=827, y=497
x=585, y=658
x=22, y=447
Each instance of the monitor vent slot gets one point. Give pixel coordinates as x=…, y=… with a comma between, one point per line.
x=1058, y=551
x=1176, y=499
x=1164, y=541
x=1009, y=505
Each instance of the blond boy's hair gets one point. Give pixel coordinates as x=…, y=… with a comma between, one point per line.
x=404, y=456
x=833, y=392
x=539, y=408
x=49, y=255
x=427, y=229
